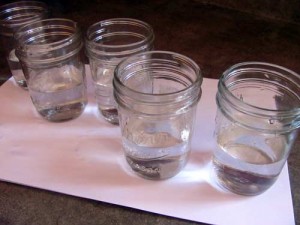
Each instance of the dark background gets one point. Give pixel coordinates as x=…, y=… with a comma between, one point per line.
x=215, y=34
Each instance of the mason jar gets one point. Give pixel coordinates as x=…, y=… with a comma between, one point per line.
x=49, y=51
x=107, y=43
x=256, y=125
x=12, y=17
x=157, y=93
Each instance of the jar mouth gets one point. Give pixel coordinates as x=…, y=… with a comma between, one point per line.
x=265, y=78
x=157, y=82
x=260, y=95
x=161, y=65
x=47, y=39
x=54, y=31
x=118, y=36
x=17, y=14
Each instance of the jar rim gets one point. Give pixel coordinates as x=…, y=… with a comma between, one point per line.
x=197, y=81
x=24, y=29
x=9, y=22
x=118, y=21
x=45, y=52
x=250, y=108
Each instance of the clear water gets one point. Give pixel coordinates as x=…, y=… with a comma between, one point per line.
x=104, y=95
x=156, y=155
x=67, y=111
x=16, y=70
x=59, y=94
x=247, y=168
x=110, y=114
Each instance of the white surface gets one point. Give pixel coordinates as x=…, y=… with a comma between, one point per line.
x=84, y=157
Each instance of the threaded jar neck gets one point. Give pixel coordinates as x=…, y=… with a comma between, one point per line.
x=118, y=38
x=48, y=41
x=17, y=14
x=157, y=83
x=260, y=96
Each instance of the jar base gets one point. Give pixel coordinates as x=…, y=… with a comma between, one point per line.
x=110, y=115
x=241, y=182
x=63, y=113
x=157, y=169
x=22, y=84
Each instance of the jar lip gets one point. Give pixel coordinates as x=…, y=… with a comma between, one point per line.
x=234, y=100
x=24, y=29
x=196, y=83
x=33, y=10
x=18, y=4
x=118, y=21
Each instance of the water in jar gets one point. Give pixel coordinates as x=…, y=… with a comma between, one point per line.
x=154, y=151
x=246, y=163
x=59, y=93
x=16, y=70
x=104, y=94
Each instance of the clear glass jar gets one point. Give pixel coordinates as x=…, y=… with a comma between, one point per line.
x=256, y=125
x=12, y=17
x=49, y=51
x=107, y=43
x=157, y=93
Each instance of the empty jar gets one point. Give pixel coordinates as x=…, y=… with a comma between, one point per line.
x=157, y=93
x=107, y=43
x=256, y=125
x=12, y=17
x=49, y=51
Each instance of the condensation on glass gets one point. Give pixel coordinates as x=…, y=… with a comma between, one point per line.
x=157, y=93
x=256, y=125
x=107, y=43
x=12, y=17
x=49, y=51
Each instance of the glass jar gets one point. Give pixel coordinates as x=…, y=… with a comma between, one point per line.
x=107, y=43
x=256, y=125
x=12, y=17
x=157, y=93
x=49, y=51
